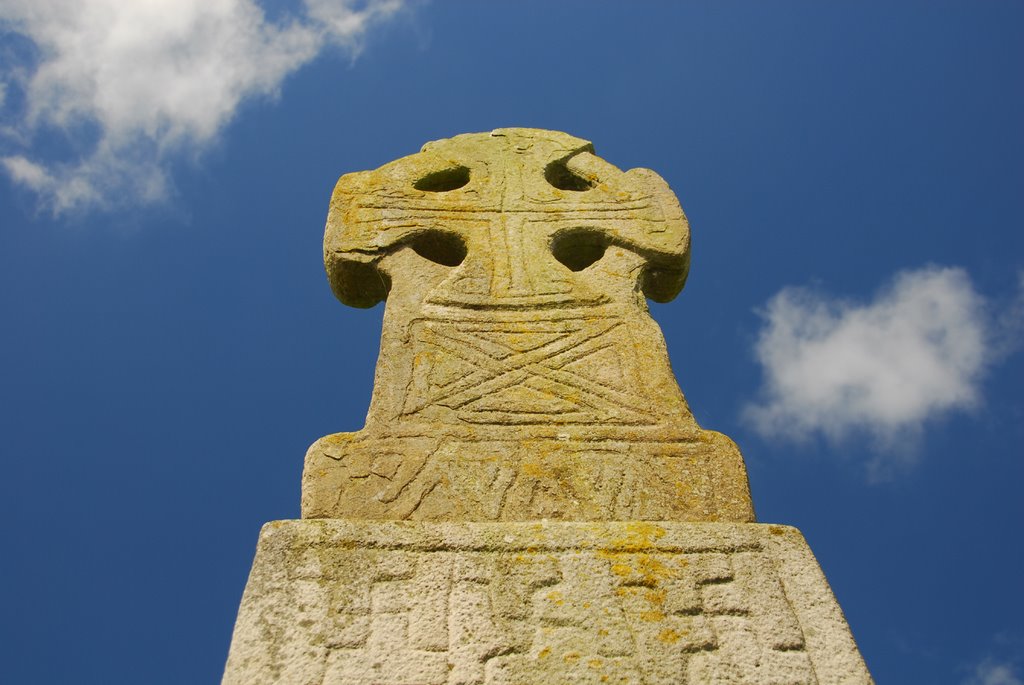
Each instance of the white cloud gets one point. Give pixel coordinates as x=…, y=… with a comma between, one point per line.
x=990, y=672
x=132, y=83
x=833, y=367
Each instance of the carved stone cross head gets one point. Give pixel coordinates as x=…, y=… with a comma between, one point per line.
x=520, y=375
x=517, y=215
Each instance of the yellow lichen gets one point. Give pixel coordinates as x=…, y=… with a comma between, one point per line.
x=669, y=636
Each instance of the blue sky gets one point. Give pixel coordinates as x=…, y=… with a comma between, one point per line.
x=169, y=345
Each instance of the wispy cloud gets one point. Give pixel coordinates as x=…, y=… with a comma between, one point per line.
x=884, y=368
x=1002, y=667
x=126, y=86
x=990, y=672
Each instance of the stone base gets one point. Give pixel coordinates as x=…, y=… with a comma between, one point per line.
x=387, y=603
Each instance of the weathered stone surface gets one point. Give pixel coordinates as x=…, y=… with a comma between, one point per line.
x=361, y=603
x=520, y=376
x=531, y=500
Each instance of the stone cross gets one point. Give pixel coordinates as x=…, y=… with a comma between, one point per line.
x=531, y=500
x=520, y=376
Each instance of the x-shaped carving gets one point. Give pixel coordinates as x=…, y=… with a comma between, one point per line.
x=496, y=373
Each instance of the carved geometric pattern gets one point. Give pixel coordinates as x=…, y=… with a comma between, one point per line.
x=540, y=371
x=500, y=616
x=557, y=479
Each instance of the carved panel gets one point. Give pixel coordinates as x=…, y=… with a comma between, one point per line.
x=438, y=604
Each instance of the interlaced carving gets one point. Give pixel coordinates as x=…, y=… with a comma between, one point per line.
x=520, y=375
x=520, y=507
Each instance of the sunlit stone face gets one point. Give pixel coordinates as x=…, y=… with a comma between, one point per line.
x=530, y=500
x=520, y=376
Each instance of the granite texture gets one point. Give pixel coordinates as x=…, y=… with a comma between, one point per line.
x=531, y=500
x=371, y=603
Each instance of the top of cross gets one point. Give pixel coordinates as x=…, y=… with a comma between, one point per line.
x=505, y=202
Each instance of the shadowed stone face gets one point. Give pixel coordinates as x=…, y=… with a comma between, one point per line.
x=520, y=376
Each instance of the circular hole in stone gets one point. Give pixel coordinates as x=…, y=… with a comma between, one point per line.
x=559, y=175
x=440, y=247
x=579, y=249
x=444, y=180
